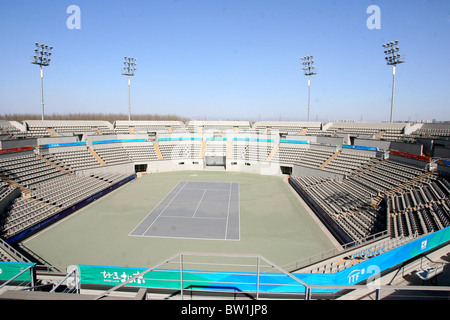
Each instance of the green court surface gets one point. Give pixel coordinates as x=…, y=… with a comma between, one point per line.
x=273, y=223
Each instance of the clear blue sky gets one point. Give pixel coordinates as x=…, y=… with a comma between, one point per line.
x=228, y=59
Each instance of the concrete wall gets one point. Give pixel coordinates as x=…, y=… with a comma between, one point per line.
x=312, y=172
x=383, y=145
x=173, y=165
x=90, y=139
x=441, y=152
x=119, y=168
x=414, y=148
x=9, y=144
x=261, y=167
x=409, y=161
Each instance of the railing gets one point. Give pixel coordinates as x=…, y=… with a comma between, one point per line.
x=229, y=277
x=71, y=285
x=295, y=265
x=13, y=252
x=19, y=282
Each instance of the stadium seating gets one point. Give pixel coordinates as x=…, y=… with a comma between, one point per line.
x=420, y=208
x=148, y=126
x=144, y=152
x=113, y=154
x=182, y=150
x=304, y=128
x=290, y=153
x=72, y=160
x=48, y=187
x=27, y=170
x=417, y=200
x=204, y=126
x=385, y=131
x=430, y=131
x=48, y=128
x=349, y=162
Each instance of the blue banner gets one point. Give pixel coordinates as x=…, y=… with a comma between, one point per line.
x=294, y=141
x=253, y=139
x=179, y=139
x=276, y=281
x=117, y=141
x=216, y=139
x=349, y=146
x=68, y=144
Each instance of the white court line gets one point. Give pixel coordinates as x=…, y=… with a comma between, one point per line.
x=164, y=208
x=156, y=206
x=185, y=187
x=198, y=205
x=239, y=211
x=228, y=213
x=179, y=217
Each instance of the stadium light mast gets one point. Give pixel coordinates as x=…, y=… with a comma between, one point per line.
x=392, y=58
x=308, y=68
x=129, y=67
x=42, y=58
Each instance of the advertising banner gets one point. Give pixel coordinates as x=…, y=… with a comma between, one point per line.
x=349, y=146
x=118, y=141
x=409, y=155
x=10, y=150
x=9, y=270
x=295, y=141
x=267, y=282
x=56, y=145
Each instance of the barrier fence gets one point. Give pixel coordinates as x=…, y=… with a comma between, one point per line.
x=249, y=275
x=254, y=277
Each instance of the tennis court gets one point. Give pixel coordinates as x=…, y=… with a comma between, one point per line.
x=266, y=217
x=195, y=210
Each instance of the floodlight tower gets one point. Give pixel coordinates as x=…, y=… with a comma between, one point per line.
x=392, y=58
x=308, y=68
x=42, y=58
x=129, y=67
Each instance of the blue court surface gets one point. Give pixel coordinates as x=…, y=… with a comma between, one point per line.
x=195, y=210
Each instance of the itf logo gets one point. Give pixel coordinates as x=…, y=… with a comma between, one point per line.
x=373, y=271
x=354, y=276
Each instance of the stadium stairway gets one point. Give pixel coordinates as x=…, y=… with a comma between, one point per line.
x=272, y=153
x=304, y=130
x=25, y=190
x=379, y=135
x=96, y=156
x=54, y=165
x=158, y=152
x=52, y=132
x=202, y=151
x=97, y=130
x=376, y=201
x=229, y=150
x=323, y=165
x=367, y=169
